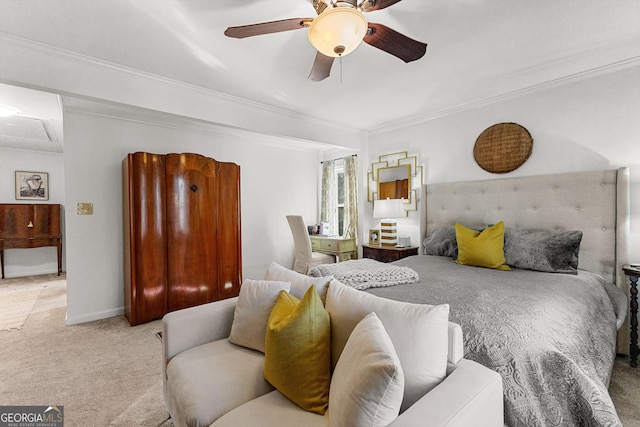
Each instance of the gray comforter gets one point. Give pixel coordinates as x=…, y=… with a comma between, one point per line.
x=551, y=336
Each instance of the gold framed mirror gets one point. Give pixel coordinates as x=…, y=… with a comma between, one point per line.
x=395, y=176
x=393, y=182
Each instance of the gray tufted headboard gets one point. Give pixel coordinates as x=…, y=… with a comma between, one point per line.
x=597, y=203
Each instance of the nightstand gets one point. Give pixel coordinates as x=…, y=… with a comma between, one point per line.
x=388, y=253
x=633, y=272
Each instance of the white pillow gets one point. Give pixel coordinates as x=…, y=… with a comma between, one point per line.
x=368, y=383
x=419, y=333
x=300, y=283
x=255, y=302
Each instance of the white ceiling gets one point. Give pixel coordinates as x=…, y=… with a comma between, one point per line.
x=477, y=50
x=38, y=124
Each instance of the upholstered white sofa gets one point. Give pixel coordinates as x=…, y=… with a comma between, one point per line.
x=209, y=381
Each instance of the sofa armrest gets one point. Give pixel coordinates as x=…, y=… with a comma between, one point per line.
x=456, y=345
x=191, y=327
x=470, y=395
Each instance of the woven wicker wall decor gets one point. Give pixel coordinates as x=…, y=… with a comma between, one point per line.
x=503, y=147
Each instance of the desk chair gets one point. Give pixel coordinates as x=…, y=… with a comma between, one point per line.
x=305, y=258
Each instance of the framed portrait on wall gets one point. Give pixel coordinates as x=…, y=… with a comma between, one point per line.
x=32, y=185
x=374, y=237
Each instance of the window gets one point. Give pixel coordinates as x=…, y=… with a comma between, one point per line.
x=339, y=196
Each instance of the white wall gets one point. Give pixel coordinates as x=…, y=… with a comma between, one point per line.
x=587, y=124
x=24, y=262
x=276, y=180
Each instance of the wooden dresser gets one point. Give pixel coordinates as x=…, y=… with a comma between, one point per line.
x=30, y=226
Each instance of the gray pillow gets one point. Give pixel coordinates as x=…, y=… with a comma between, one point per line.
x=542, y=250
x=441, y=242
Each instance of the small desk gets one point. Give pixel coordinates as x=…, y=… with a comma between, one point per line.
x=388, y=253
x=343, y=249
x=633, y=273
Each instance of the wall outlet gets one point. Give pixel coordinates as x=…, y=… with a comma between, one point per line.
x=85, y=209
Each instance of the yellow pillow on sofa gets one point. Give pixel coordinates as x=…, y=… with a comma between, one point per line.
x=297, y=360
x=481, y=248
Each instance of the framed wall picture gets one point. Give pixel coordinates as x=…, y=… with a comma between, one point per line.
x=32, y=185
x=374, y=237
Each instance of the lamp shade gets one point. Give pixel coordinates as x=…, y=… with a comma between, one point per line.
x=337, y=31
x=388, y=208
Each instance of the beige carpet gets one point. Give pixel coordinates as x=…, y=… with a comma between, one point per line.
x=19, y=295
x=16, y=306
x=625, y=392
x=107, y=373
x=104, y=373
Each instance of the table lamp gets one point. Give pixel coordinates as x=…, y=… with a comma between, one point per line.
x=387, y=210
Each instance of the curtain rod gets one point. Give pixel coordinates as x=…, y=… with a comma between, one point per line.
x=340, y=158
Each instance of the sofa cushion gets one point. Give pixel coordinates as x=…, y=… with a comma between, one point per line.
x=300, y=283
x=297, y=358
x=368, y=382
x=255, y=302
x=419, y=333
x=209, y=380
x=271, y=410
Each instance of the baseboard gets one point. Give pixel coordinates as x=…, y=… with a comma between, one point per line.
x=90, y=317
x=29, y=273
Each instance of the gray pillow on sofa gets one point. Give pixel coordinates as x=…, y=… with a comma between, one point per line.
x=543, y=250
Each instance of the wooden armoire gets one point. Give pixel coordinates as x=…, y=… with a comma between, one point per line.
x=182, y=243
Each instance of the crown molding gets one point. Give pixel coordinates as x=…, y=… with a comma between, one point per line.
x=356, y=136
x=65, y=59
x=608, y=64
x=132, y=114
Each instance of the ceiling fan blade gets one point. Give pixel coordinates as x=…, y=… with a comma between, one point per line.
x=321, y=67
x=267, y=27
x=391, y=41
x=369, y=5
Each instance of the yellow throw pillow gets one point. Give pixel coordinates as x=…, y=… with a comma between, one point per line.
x=297, y=360
x=481, y=248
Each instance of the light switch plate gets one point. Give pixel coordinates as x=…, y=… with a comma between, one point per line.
x=85, y=208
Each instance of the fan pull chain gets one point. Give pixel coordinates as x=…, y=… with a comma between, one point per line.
x=340, y=69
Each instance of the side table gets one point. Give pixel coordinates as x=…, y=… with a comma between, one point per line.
x=388, y=253
x=633, y=271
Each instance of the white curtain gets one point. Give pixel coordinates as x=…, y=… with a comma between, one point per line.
x=351, y=195
x=329, y=197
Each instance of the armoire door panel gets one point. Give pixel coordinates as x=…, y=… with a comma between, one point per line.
x=191, y=230
x=229, y=238
x=145, y=238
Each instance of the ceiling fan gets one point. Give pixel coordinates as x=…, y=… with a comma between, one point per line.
x=337, y=30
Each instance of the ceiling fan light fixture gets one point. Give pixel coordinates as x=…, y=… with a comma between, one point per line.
x=8, y=110
x=337, y=31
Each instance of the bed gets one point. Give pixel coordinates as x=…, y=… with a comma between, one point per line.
x=552, y=336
